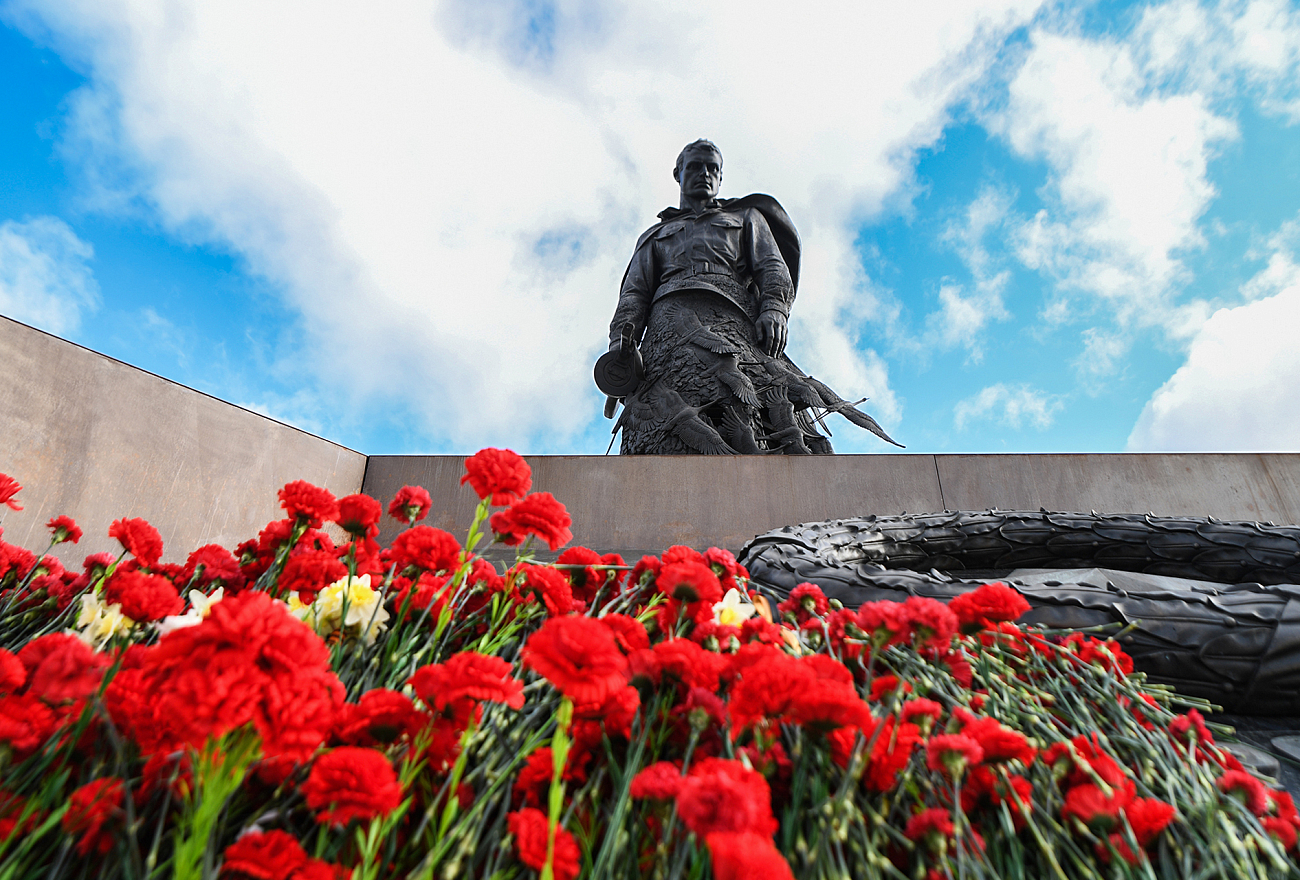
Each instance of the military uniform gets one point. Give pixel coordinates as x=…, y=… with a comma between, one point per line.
x=693, y=295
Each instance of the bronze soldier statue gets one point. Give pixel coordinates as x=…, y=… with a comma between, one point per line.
x=697, y=344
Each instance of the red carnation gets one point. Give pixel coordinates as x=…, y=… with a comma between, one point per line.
x=1283, y=830
x=722, y=795
x=143, y=597
x=613, y=716
x=64, y=528
x=380, y=717
x=933, y=623
x=725, y=566
x=579, y=656
x=615, y=574
x=213, y=563
x=998, y=742
x=1247, y=788
x=551, y=587
x=689, y=582
x=537, y=514
x=296, y=712
x=351, y=783
x=890, y=753
x=269, y=855
x=533, y=785
x=139, y=538
x=935, y=821
x=922, y=708
x=987, y=605
x=94, y=814
x=13, y=674
x=410, y=505
x=427, y=596
x=646, y=569
x=950, y=753
x=359, y=515
x=689, y=663
x=805, y=601
x=467, y=678
x=586, y=581
x=61, y=668
x=499, y=475
x=8, y=489
x=628, y=632
x=25, y=723
x=307, y=572
x=746, y=856
x=1108, y=654
x=1092, y=807
x=768, y=688
x=427, y=548
x=660, y=781
x=1148, y=817
x=534, y=780
x=822, y=704
x=249, y=660
x=319, y=869
x=884, y=622
x=884, y=686
x=531, y=829
x=307, y=503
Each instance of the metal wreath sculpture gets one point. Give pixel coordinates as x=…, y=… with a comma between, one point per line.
x=1213, y=608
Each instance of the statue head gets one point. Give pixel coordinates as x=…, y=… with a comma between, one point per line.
x=699, y=170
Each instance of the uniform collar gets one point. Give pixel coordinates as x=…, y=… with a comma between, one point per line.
x=675, y=213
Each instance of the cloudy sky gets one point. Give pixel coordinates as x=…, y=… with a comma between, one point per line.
x=401, y=225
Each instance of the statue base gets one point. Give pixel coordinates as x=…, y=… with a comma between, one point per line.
x=635, y=505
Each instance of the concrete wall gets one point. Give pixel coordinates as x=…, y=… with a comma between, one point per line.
x=98, y=440
x=645, y=504
x=1240, y=486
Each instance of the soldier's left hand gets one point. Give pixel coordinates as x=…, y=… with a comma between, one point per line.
x=772, y=332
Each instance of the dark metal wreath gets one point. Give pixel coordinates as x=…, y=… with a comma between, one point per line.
x=1212, y=607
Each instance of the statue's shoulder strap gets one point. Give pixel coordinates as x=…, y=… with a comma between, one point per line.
x=787, y=238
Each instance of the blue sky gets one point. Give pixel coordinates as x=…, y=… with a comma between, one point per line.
x=1027, y=227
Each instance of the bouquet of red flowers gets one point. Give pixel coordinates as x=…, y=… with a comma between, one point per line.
x=303, y=708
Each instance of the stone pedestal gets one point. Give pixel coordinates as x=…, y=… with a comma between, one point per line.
x=644, y=504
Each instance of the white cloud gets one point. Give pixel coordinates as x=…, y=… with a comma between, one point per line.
x=1127, y=126
x=44, y=277
x=1127, y=179
x=449, y=196
x=1239, y=389
x=963, y=316
x=1215, y=48
x=961, y=319
x=1103, y=353
x=1281, y=270
x=1008, y=405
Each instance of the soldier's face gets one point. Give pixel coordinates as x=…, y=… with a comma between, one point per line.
x=701, y=174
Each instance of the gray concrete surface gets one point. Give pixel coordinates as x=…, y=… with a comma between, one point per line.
x=1236, y=486
x=645, y=504
x=98, y=440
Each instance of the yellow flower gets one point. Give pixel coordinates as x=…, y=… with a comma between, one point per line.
x=365, y=608
x=202, y=603
x=98, y=622
x=734, y=609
